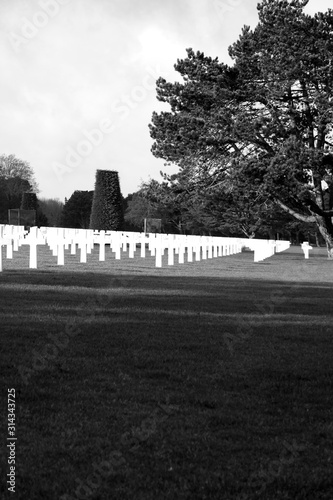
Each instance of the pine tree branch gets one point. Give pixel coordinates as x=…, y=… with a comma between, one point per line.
x=303, y=218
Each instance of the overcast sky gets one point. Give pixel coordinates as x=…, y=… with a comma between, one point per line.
x=77, y=85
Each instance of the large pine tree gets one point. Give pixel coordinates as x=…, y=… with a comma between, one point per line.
x=266, y=121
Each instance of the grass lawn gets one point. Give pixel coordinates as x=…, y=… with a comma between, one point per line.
x=207, y=380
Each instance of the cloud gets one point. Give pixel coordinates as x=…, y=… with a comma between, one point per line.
x=89, y=60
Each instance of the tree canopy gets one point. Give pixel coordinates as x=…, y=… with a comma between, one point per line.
x=12, y=167
x=264, y=122
x=16, y=177
x=52, y=208
x=77, y=209
x=137, y=208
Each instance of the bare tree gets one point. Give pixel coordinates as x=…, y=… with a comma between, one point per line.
x=12, y=167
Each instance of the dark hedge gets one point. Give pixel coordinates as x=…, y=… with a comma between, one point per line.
x=29, y=201
x=107, y=206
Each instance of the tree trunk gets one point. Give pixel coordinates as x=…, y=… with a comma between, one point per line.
x=317, y=239
x=325, y=227
x=324, y=224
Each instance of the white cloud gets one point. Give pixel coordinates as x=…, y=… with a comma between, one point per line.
x=91, y=54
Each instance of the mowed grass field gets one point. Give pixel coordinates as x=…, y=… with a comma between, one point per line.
x=205, y=380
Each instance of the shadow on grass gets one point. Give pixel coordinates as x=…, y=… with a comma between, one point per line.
x=92, y=356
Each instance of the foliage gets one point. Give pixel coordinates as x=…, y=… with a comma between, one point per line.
x=266, y=121
x=137, y=209
x=107, y=206
x=14, y=168
x=77, y=209
x=187, y=205
x=41, y=218
x=16, y=177
x=162, y=204
x=29, y=201
x=11, y=190
x=52, y=208
x=151, y=202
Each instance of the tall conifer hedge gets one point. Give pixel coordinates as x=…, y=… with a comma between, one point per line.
x=107, y=206
x=29, y=201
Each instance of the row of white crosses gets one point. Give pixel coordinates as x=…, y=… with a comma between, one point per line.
x=195, y=247
x=11, y=237
x=263, y=249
